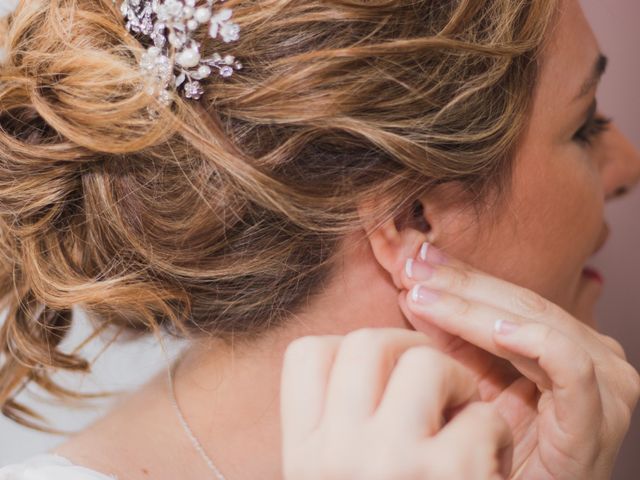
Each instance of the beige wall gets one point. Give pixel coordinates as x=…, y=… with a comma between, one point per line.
x=615, y=22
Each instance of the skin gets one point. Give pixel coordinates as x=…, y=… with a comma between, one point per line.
x=551, y=224
x=553, y=221
x=346, y=403
x=574, y=427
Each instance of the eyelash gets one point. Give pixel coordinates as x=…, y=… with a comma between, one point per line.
x=591, y=129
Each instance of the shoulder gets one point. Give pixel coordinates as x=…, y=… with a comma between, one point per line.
x=49, y=466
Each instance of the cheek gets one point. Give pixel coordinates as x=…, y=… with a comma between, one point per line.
x=543, y=236
x=557, y=227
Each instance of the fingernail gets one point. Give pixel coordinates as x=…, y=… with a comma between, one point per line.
x=429, y=253
x=503, y=327
x=418, y=270
x=423, y=251
x=408, y=267
x=422, y=295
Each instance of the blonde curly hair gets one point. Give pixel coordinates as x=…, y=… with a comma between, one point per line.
x=221, y=217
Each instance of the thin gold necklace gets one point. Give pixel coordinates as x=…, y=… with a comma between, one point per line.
x=185, y=425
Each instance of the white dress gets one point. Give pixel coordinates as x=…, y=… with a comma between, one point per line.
x=7, y=6
x=49, y=466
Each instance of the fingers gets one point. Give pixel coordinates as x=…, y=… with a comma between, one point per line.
x=442, y=339
x=361, y=369
x=423, y=384
x=584, y=398
x=462, y=280
x=412, y=385
x=473, y=322
x=471, y=284
x=543, y=354
x=478, y=428
x=490, y=371
x=568, y=365
x=455, y=277
x=305, y=372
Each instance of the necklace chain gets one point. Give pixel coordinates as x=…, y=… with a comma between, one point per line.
x=185, y=425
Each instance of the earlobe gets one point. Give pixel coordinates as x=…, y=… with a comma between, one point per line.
x=393, y=241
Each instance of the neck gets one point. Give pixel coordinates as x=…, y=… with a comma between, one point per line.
x=230, y=397
x=231, y=404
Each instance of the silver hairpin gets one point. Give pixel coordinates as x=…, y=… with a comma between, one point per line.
x=174, y=59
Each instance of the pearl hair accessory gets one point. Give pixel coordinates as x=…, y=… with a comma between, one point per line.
x=174, y=59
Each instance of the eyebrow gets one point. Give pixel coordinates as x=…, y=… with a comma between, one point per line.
x=599, y=67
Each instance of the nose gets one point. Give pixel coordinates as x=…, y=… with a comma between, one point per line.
x=622, y=167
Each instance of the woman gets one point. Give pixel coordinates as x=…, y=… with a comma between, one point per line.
x=285, y=203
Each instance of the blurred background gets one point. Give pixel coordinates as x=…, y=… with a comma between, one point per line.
x=615, y=22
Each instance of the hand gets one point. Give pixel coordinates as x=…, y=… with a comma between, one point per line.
x=588, y=389
x=373, y=405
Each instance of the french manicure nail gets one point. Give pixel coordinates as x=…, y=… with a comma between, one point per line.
x=422, y=295
x=423, y=251
x=408, y=267
x=432, y=254
x=504, y=327
x=418, y=270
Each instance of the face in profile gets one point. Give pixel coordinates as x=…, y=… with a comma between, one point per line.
x=571, y=160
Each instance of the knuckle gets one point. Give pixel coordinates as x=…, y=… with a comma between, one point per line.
x=362, y=336
x=634, y=383
x=529, y=302
x=456, y=279
x=421, y=355
x=363, y=339
x=584, y=366
x=617, y=418
x=458, y=306
x=625, y=418
x=614, y=345
x=381, y=346
x=303, y=346
x=423, y=359
x=367, y=345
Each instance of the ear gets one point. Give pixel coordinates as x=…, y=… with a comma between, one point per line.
x=397, y=239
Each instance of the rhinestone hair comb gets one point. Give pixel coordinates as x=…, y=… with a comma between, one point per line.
x=173, y=60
